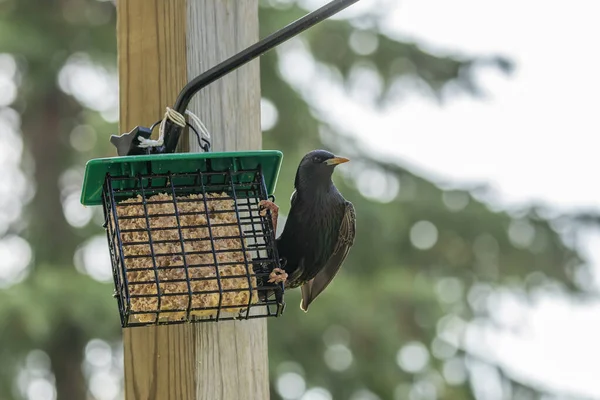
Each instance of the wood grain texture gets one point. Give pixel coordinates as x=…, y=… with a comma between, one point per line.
x=160, y=362
x=231, y=354
x=162, y=44
x=151, y=40
x=229, y=107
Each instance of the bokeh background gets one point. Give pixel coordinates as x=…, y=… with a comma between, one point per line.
x=472, y=128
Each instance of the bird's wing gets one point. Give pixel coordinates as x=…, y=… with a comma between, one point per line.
x=314, y=287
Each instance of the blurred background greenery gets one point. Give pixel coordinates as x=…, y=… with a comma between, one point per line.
x=427, y=261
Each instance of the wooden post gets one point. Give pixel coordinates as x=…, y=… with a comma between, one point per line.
x=162, y=45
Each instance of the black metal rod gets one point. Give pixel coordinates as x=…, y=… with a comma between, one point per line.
x=257, y=49
x=218, y=71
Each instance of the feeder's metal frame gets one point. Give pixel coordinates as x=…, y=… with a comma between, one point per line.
x=241, y=176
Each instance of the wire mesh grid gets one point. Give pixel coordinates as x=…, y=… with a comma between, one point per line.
x=191, y=247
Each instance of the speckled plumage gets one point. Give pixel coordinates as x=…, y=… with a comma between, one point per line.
x=320, y=227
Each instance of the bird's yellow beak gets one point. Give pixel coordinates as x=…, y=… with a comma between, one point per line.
x=336, y=160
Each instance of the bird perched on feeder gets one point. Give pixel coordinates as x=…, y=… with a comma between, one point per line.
x=319, y=230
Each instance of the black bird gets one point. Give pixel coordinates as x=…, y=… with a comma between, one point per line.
x=319, y=230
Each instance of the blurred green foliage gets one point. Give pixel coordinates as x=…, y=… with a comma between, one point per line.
x=389, y=293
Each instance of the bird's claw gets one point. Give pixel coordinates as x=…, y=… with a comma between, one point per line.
x=265, y=205
x=278, y=275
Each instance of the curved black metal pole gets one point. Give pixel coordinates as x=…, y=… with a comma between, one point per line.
x=173, y=132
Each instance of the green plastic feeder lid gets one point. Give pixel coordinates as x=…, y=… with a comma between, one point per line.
x=96, y=169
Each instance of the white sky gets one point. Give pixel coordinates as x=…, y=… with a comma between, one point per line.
x=542, y=119
x=534, y=138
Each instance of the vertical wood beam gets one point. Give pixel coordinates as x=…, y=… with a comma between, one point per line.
x=162, y=45
x=233, y=353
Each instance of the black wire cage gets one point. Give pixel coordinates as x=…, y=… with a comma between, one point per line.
x=187, y=238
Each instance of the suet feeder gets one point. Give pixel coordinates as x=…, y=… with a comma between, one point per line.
x=187, y=240
x=186, y=237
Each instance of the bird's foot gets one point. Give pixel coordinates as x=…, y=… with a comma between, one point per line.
x=265, y=205
x=278, y=275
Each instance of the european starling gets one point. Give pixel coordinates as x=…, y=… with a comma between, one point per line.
x=319, y=230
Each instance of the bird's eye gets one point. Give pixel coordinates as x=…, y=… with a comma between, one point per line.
x=315, y=159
